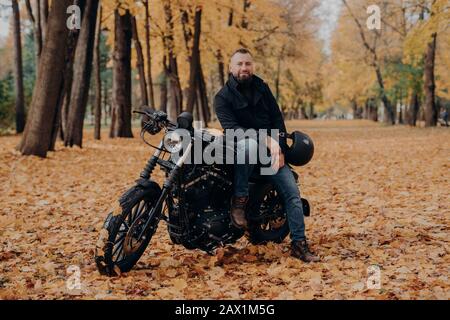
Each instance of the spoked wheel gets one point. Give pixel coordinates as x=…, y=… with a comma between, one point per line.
x=267, y=217
x=119, y=247
x=128, y=238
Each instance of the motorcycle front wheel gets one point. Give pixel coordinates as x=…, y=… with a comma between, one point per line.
x=118, y=249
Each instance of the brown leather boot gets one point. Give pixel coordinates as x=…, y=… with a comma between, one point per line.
x=238, y=212
x=300, y=250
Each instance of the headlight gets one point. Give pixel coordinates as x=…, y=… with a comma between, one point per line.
x=173, y=142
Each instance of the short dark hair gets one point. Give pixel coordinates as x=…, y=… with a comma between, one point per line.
x=242, y=51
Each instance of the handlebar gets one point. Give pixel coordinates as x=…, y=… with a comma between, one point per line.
x=157, y=120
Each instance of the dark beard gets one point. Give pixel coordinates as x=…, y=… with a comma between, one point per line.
x=245, y=82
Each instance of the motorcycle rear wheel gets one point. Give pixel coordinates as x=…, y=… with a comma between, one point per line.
x=267, y=216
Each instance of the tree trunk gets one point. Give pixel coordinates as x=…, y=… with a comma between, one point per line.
x=400, y=115
x=122, y=75
x=81, y=76
x=421, y=116
x=246, y=6
x=36, y=22
x=63, y=107
x=38, y=130
x=413, y=109
x=151, y=93
x=44, y=17
x=172, y=97
x=373, y=110
x=113, y=123
x=194, y=62
x=303, y=112
x=175, y=96
x=38, y=31
x=277, y=78
x=65, y=103
x=366, y=110
x=311, y=111
x=98, y=79
x=105, y=105
x=221, y=67
x=163, y=92
x=230, y=17
x=373, y=113
x=68, y=79
x=389, y=111
x=389, y=116
x=203, y=96
x=60, y=121
x=140, y=62
x=431, y=112
x=196, y=113
x=407, y=113
x=354, y=109
x=18, y=69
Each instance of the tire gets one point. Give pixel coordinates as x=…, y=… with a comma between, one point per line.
x=114, y=251
x=266, y=200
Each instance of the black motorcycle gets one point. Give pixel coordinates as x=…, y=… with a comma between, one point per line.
x=194, y=201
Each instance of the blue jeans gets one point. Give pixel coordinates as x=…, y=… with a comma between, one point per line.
x=284, y=183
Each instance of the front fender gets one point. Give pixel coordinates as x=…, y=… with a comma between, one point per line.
x=146, y=183
x=150, y=188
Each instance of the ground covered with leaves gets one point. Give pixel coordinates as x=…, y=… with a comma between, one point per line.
x=380, y=196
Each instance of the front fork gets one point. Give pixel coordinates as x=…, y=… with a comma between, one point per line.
x=168, y=184
x=151, y=164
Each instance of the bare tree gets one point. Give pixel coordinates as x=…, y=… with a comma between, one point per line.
x=44, y=17
x=151, y=93
x=18, y=69
x=81, y=76
x=140, y=62
x=97, y=74
x=36, y=21
x=375, y=63
x=63, y=108
x=121, y=124
x=431, y=110
x=175, y=96
x=194, y=60
x=37, y=136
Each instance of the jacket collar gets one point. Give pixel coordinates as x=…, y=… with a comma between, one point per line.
x=242, y=102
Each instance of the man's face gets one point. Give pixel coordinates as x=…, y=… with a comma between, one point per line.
x=241, y=66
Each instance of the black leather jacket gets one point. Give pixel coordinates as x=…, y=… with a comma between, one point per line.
x=234, y=111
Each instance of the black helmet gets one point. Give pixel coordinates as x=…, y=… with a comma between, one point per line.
x=302, y=149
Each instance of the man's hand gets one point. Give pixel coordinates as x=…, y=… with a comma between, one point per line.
x=276, y=154
x=277, y=160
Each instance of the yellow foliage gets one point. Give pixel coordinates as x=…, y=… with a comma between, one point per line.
x=420, y=35
x=350, y=74
x=272, y=34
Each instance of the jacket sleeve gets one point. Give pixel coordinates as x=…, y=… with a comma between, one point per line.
x=277, y=118
x=225, y=114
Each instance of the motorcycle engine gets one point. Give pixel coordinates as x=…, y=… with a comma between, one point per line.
x=207, y=202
